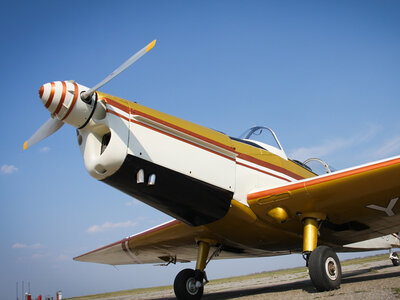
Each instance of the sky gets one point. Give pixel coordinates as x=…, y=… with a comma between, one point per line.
x=323, y=74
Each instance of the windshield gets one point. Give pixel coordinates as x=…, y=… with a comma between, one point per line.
x=261, y=134
x=265, y=138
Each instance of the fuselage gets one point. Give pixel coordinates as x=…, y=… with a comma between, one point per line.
x=199, y=176
x=183, y=169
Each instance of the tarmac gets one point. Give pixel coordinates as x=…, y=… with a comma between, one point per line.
x=371, y=280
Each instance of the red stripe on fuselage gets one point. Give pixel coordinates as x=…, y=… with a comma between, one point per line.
x=165, y=133
x=183, y=130
x=137, y=112
x=268, y=173
x=117, y=105
x=240, y=155
x=182, y=140
x=269, y=165
x=118, y=115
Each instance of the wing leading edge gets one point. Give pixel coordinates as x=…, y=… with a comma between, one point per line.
x=155, y=245
x=170, y=242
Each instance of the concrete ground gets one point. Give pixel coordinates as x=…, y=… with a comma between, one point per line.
x=371, y=280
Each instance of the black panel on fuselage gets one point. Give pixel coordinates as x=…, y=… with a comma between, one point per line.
x=188, y=199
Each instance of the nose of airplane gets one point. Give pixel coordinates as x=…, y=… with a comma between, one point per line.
x=46, y=93
x=62, y=100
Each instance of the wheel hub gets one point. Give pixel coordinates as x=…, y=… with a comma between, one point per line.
x=331, y=268
x=191, y=286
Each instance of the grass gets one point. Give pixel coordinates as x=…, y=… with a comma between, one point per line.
x=298, y=270
x=364, y=260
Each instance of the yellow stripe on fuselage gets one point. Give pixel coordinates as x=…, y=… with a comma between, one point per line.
x=255, y=155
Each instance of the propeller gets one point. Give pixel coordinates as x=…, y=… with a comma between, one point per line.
x=53, y=96
x=120, y=69
x=47, y=129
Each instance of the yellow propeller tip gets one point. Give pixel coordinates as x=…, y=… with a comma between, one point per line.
x=151, y=45
x=26, y=145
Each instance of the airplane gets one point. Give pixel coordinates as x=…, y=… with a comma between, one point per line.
x=387, y=242
x=229, y=197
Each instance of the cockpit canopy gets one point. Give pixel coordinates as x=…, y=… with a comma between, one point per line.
x=318, y=166
x=264, y=138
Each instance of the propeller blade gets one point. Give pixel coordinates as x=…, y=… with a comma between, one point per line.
x=118, y=70
x=47, y=129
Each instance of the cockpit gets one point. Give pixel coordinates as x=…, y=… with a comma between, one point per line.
x=265, y=138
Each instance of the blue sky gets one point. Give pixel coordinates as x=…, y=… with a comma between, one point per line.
x=324, y=75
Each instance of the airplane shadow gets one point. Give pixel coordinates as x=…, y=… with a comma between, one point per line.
x=304, y=285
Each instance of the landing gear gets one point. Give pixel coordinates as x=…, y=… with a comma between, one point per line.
x=186, y=286
x=325, y=269
x=322, y=262
x=189, y=283
x=394, y=257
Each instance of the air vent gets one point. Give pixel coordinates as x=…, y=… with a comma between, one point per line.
x=105, y=141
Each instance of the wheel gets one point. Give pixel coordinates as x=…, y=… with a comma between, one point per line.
x=185, y=286
x=395, y=259
x=324, y=268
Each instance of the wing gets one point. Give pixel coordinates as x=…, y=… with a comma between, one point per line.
x=154, y=245
x=357, y=204
x=170, y=242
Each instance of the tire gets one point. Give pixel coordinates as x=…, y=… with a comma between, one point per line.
x=184, y=286
x=395, y=260
x=325, y=269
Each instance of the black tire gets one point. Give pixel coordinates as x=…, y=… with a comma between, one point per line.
x=325, y=269
x=184, y=286
x=395, y=260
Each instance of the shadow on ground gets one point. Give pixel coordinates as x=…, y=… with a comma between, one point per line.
x=367, y=274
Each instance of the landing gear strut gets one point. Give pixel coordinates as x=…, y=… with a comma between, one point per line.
x=322, y=262
x=189, y=284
